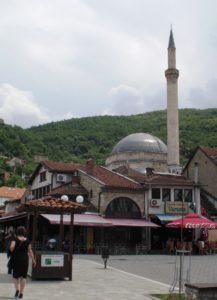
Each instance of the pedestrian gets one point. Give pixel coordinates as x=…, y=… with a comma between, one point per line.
x=51, y=244
x=21, y=249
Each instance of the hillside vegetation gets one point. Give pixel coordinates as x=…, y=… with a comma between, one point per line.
x=79, y=139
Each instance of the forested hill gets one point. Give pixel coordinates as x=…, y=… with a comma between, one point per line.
x=79, y=139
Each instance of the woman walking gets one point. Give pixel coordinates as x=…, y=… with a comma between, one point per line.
x=21, y=250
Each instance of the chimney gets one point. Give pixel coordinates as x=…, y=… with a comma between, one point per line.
x=90, y=166
x=149, y=171
x=196, y=172
x=75, y=178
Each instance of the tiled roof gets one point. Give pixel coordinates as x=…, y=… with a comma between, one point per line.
x=211, y=152
x=112, y=179
x=11, y=192
x=59, y=166
x=105, y=176
x=128, y=172
x=69, y=189
x=155, y=178
x=169, y=180
x=50, y=204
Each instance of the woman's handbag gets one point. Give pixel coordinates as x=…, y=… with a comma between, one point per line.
x=10, y=264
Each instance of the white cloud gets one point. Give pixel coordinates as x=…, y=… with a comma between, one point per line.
x=127, y=100
x=70, y=53
x=204, y=97
x=18, y=107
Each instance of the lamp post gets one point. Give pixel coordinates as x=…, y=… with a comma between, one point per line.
x=181, y=252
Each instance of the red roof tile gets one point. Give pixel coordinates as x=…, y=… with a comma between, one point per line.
x=167, y=179
x=50, y=204
x=211, y=152
x=156, y=178
x=11, y=192
x=59, y=166
x=111, y=179
x=69, y=189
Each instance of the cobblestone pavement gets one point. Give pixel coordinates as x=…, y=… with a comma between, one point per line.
x=203, y=268
x=91, y=281
x=126, y=278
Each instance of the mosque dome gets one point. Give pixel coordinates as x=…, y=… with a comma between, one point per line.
x=140, y=142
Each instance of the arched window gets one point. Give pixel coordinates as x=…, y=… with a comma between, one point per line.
x=123, y=208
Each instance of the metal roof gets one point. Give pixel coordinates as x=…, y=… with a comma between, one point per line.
x=140, y=142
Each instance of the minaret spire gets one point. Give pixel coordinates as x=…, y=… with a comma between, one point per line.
x=172, y=75
x=171, y=40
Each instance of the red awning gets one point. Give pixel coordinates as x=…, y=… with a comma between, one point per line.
x=131, y=222
x=97, y=221
x=79, y=220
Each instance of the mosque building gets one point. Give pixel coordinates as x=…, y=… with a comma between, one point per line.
x=140, y=151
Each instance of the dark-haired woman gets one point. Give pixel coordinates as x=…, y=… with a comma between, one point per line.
x=21, y=250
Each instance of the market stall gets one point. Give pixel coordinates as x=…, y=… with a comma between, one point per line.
x=53, y=263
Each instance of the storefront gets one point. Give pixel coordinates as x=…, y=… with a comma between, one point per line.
x=91, y=232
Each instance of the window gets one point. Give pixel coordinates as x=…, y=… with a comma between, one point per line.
x=178, y=195
x=155, y=193
x=123, y=208
x=42, y=176
x=166, y=195
x=188, y=195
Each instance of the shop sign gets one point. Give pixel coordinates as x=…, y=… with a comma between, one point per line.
x=52, y=260
x=176, y=208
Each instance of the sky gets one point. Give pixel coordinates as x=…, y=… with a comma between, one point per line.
x=62, y=59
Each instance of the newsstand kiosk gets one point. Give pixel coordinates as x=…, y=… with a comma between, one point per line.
x=51, y=264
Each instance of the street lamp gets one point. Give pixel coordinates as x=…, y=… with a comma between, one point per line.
x=79, y=199
x=64, y=198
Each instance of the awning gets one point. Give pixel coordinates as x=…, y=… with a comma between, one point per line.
x=13, y=217
x=164, y=218
x=98, y=221
x=79, y=220
x=131, y=222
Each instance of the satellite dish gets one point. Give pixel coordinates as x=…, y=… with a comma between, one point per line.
x=65, y=198
x=79, y=199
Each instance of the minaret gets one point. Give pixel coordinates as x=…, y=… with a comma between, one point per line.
x=172, y=75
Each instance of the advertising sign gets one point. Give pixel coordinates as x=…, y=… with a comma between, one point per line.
x=176, y=208
x=52, y=260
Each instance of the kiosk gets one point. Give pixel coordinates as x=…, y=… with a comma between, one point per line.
x=51, y=264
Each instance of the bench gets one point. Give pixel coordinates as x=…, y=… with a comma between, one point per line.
x=201, y=291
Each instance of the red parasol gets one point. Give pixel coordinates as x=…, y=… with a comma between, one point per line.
x=192, y=220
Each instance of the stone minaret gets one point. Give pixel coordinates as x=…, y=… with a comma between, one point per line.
x=172, y=75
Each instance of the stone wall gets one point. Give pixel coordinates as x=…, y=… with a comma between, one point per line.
x=102, y=199
x=107, y=197
x=138, y=160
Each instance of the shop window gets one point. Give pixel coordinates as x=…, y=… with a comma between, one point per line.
x=155, y=193
x=166, y=194
x=42, y=176
x=188, y=195
x=178, y=195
